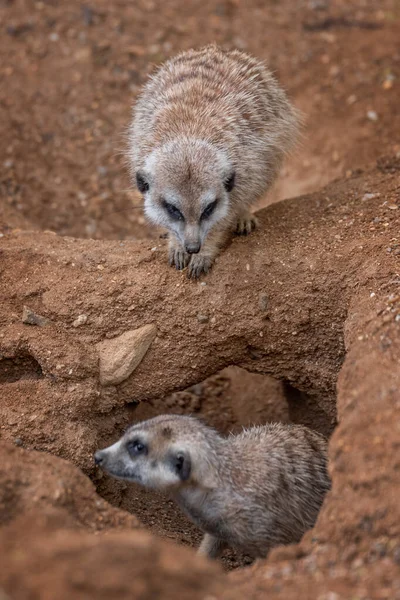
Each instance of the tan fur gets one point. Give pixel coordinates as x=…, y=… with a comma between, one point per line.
x=253, y=491
x=203, y=116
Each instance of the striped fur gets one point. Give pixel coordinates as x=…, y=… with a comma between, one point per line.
x=204, y=115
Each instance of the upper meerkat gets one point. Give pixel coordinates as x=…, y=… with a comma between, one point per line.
x=252, y=491
x=207, y=139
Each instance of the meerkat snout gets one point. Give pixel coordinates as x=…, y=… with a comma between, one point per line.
x=208, y=137
x=98, y=457
x=192, y=247
x=253, y=491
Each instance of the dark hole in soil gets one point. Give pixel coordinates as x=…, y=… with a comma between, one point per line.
x=309, y=410
x=19, y=367
x=229, y=400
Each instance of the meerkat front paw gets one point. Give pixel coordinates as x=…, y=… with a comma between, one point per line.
x=199, y=264
x=246, y=223
x=178, y=258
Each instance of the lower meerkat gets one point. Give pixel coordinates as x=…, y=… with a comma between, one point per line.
x=252, y=491
x=209, y=133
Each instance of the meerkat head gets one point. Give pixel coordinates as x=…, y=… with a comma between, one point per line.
x=157, y=453
x=186, y=186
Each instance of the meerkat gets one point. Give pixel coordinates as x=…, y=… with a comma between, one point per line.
x=252, y=491
x=208, y=136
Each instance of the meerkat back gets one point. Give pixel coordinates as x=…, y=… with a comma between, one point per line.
x=284, y=478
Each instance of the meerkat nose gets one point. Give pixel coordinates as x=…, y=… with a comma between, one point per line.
x=98, y=457
x=192, y=247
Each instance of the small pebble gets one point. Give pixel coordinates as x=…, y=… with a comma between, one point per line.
x=372, y=115
x=18, y=442
x=202, y=318
x=31, y=318
x=80, y=320
x=368, y=197
x=263, y=302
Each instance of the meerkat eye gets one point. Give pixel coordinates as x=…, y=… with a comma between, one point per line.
x=229, y=183
x=173, y=212
x=135, y=447
x=142, y=185
x=208, y=211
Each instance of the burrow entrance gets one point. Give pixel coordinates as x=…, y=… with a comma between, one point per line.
x=229, y=400
x=19, y=368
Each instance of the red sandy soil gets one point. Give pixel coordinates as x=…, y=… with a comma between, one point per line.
x=319, y=280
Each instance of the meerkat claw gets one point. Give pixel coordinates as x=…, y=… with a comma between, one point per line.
x=178, y=258
x=198, y=266
x=246, y=224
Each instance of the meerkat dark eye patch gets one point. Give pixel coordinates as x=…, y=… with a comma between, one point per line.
x=181, y=465
x=173, y=212
x=208, y=211
x=229, y=183
x=142, y=183
x=135, y=448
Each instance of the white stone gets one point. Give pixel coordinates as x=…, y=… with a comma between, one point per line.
x=80, y=320
x=120, y=356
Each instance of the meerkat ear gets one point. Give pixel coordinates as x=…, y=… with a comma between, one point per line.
x=182, y=465
x=141, y=182
x=229, y=182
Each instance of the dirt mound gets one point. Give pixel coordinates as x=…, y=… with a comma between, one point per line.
x=354, y=549
x=275, y=304
x=69, y=565
x=35, y=482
